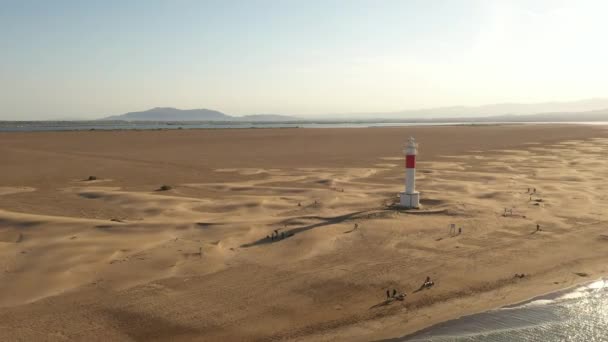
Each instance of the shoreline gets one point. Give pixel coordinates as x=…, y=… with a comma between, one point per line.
x=470, y=316
x=70, y=126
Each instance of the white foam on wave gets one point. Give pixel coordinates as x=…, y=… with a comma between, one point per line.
x=578, y=292
x=574, y=294
x=584, y=291
x=597, y=285
x=538, y=302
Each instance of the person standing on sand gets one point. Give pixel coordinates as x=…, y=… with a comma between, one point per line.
x=394, y=293
x=388, y=294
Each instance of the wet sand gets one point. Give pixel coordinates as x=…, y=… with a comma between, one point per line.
x=114, y=259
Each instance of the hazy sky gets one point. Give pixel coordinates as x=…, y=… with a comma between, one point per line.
x=87, y=59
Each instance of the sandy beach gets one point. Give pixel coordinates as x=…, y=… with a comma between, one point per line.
x=114, y=259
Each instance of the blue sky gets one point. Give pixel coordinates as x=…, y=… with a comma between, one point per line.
x=87, y=59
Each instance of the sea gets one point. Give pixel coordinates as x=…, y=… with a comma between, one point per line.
x=578, y=314
x=29, y=126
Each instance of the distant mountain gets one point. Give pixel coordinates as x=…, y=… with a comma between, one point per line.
x=593, y=115
x=485, y=110
x=266, y=117
x=584, y=110
x=521, y=109
x=588, y=116
x=174, y=114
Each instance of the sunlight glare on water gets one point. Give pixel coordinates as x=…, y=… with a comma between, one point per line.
x=579, y=315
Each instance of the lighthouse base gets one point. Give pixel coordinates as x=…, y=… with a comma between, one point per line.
x=409, y=200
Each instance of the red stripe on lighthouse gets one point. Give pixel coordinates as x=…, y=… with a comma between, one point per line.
x=410, y=161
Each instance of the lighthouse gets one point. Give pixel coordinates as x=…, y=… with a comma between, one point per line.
x=410, y=198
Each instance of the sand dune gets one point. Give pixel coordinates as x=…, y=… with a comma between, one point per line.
x=114, y=259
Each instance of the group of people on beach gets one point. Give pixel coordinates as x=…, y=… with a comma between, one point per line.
x=395, y=295
x=315, y=204
x=428, y=283
x=533, y=191
x=275, y=235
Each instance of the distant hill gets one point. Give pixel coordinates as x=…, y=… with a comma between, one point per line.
x=518, y=108
x=484, y=111
x=174, y=114
x=593, y=115
x=586, y=116
x=266, y=117
x=584, y=110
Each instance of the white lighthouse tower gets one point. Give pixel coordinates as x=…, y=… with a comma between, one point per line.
x=410, y=198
